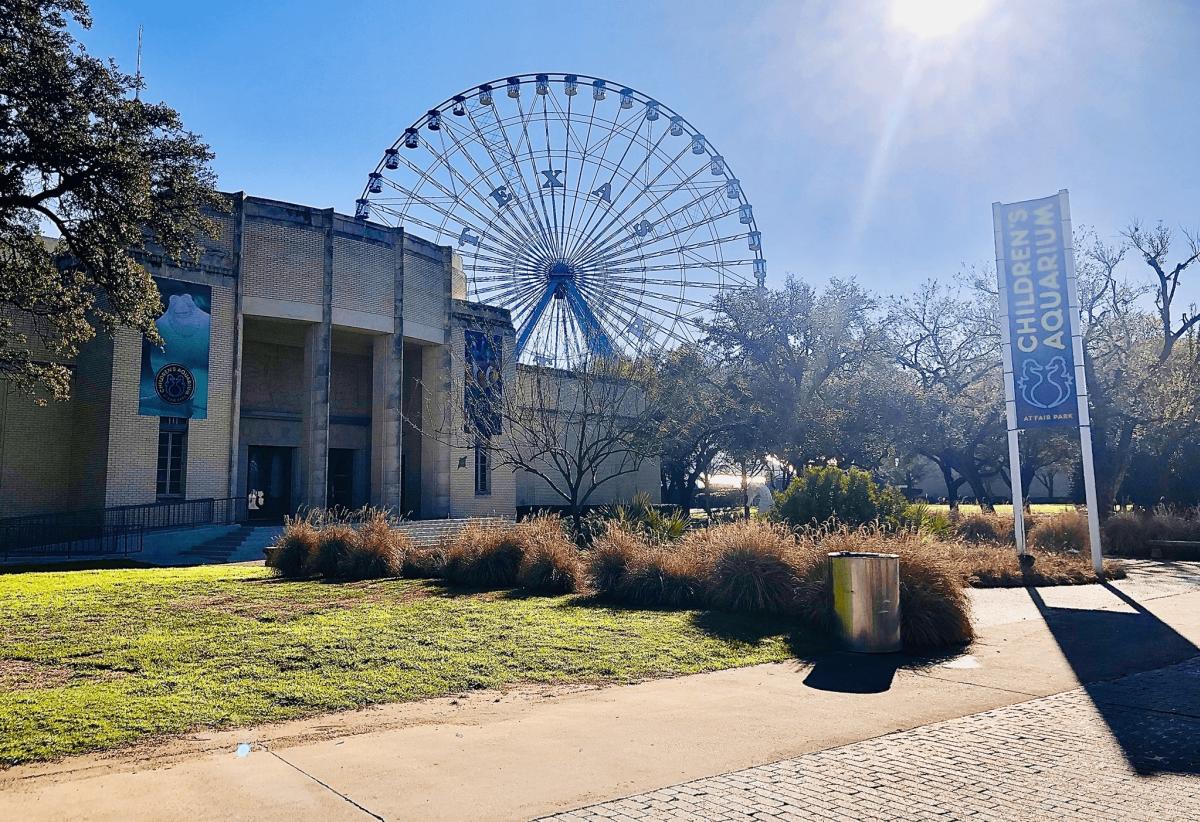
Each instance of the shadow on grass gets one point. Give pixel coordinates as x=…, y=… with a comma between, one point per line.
x=1122, y=659
x=73, y=565
x=828, y=667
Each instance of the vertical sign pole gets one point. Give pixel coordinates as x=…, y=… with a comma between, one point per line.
x=1085, y=422
x=1010, y=392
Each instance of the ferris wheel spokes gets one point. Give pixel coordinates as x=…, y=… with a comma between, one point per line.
x=601, y=235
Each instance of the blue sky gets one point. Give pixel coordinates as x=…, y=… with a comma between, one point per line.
x=867, y=148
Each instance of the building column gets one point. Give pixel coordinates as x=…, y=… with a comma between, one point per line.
x=314, y=443
x=387, y=396
x=387, y=365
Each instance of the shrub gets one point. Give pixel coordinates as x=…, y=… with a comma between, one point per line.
x=333, y=543
x=749, y=566
x=424, y=562
x=378, y=552
x=831, y=494
x=662, y=578
x=550, y=562
x=935, y=611
x=551, y=567
x=981, y=527
x=608, y=562
x=1130, y=534
x=934, y=608
x=1061, y=533
x=485, y=556
x=923, y=519
x=1126, y=534
x=640, y=516
x=292, y=550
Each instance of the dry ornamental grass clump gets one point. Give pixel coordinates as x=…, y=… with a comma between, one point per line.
x=1061, y=533
x=550, y=562
x=334, y=542
x=985, y=527
x=662, y=577
x=610, y=558
x=1130, y=533
x=750, y=565
x=290, y=554
x=485, y=557
x=378, y=552
x=425, y=562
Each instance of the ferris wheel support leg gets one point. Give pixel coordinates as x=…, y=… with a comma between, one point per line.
x=534, y=317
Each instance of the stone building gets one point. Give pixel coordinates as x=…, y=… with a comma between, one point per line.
x=328, y=336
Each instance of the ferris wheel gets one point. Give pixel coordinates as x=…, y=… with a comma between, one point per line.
x=599, y=217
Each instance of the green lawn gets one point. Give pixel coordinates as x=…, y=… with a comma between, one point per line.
x=1006, y=509
x=97, y=659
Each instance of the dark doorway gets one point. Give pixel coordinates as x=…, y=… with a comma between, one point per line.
x=341, y=478
x=269, y=470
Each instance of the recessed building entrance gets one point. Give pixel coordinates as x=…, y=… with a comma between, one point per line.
x=269, y=469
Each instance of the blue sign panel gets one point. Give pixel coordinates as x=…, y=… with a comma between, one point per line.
x=1034, y=279
x=174, y=379
x=483, y=387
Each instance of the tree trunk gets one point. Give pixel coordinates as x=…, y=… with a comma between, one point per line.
x=1110, y=470
x=979, y=487
x=951, y=485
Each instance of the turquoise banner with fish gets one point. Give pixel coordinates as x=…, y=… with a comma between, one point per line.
x=174, y=379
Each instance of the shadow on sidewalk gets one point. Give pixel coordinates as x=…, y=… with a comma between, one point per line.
x=849, y=673
x=1153, y=712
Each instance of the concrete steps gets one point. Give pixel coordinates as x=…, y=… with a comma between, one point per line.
x=239, y=545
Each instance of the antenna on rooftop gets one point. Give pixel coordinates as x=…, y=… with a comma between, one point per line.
x=137, y=92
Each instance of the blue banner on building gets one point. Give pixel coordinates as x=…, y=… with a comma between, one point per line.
x=1034, y=280
x=174, y=379
x=483, y=388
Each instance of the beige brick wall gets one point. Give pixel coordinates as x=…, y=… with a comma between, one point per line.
x=363, y=276
x=133, y=440
x=272, y=376
x=350, y=386
x=35, y=454
x=91, y=393
x=424, y=287
x=26, y=325
x=209, y=439
x=282, y=261
x=463, y=501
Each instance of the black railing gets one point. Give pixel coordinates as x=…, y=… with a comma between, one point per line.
x=117, y=530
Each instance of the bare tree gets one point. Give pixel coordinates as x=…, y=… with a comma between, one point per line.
x=949, y=396
x=1144, y=382
x=577, y=430
x=1155, y=245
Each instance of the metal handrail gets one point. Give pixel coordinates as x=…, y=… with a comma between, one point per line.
x=118, y=529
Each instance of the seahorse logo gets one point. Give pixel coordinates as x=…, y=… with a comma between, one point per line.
x=1045, y=386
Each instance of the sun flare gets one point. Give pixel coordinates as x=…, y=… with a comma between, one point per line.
x=935, y=18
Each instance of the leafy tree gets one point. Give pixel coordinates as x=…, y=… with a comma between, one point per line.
x=795, y=346
x=947, y=400
x=82, y=156
x=700, y=405
x=822, y=494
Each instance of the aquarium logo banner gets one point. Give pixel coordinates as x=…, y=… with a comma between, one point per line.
x=174, y=379
x=1034, y=281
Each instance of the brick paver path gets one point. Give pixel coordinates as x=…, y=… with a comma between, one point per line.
x=1127, y=749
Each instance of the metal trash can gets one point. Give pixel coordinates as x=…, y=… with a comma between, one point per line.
x=866, y=600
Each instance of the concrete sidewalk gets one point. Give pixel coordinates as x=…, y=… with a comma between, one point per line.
x=532, y=752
